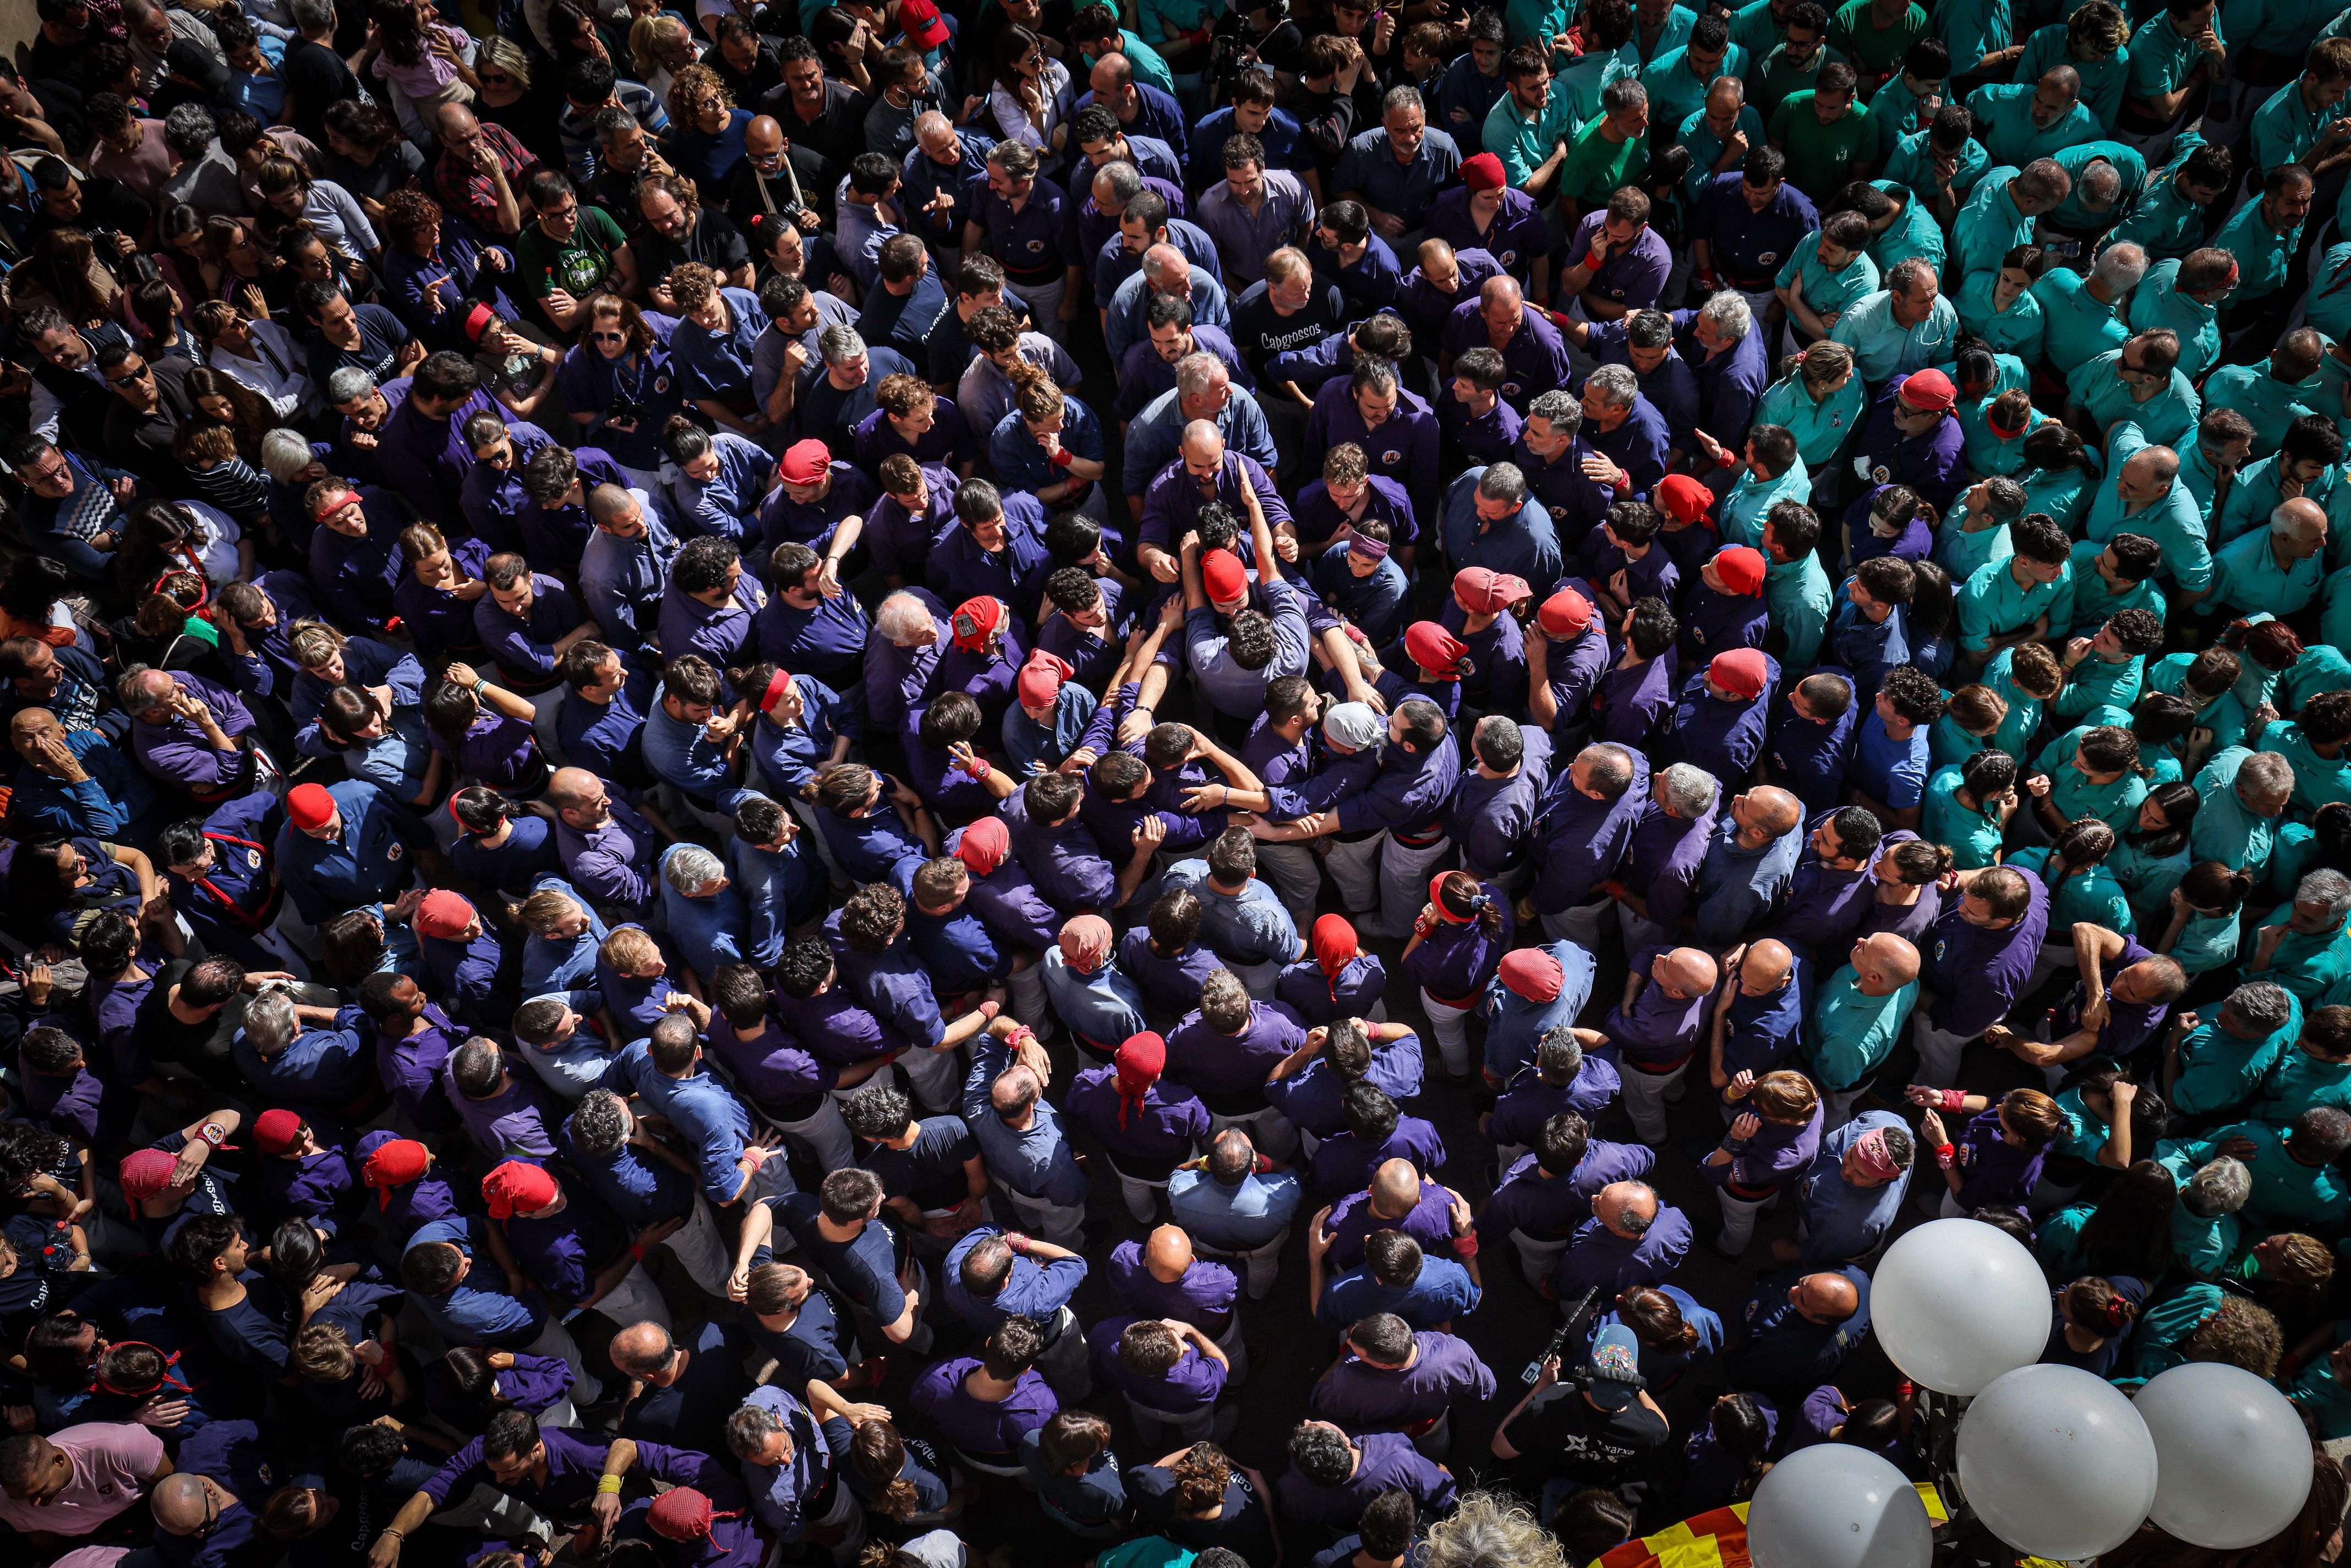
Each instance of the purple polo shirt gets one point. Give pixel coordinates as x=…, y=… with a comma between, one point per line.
x=1663, y=862
x=1633, y=277
x=1810, y=759
x=834, y=1025
x=1220, y=1065
x=1454, y=962
x=781, y=519
x=176, y=752
x=1009, y=904
x=1386, y=1460
x=1549, y=1207
x=1169, y=1123
x=1991, y=1171
x=1529, y=1102
x=1362, y=1399
x=899, y=543
x=1535, y=361
x=1404, y=448
x=896, y=678
x=1657, y=1030
x=774, y=1069
x=525, y=649
x=610, y=864
x=1977, y=975
x=1343, y=1163
x=1204, y=1296
x=1172, y=504
x=1311, y=1099
x=2128, y=1025
x=1425, y=307
x=976, y=1426
x=1629, y=704
x=1069, y=871
x=1599, y=1258
x=826, y=640
x=1774, y=1158
x=1191, y=1384
x=1318, y=998
x=1430, y=1223
x=1515, y=237
x=411, y=1067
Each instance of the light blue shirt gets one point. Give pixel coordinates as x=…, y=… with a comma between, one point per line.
x=1237, y=1218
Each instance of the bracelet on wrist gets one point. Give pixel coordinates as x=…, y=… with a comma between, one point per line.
x=608, y=1486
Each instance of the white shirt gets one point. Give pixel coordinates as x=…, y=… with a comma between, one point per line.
x=277, y=371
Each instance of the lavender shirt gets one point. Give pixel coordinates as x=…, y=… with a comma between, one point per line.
x=1361, y=1398
x=1430, y=1223
x=1977, y=974
x=976, y=1426
x=1169, y=1123
x=1657, y=1030
x=1204, y=1296
x=1191, y=1384
x=1233, y=1064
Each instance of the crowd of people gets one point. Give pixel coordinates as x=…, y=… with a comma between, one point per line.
x=789, y=781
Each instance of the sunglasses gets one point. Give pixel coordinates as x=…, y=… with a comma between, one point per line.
x=608, y=337
x=132, y=378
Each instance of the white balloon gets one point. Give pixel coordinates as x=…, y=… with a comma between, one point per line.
x=1956, y=1302
x=2056, y=1462
x=1832, y=1506
x=2232, y=1459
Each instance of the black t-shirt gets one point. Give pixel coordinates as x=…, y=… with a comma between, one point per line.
x=930, y=1175
x=1259, y=332
x=164, y=1036
x=765, y=74
x=316, y=77
x=714, y=242
x=692, y=1412
x=105, y=204
x=1244, y=1525
x=1587, y=1444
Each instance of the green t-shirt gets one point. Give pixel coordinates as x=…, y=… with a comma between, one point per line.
x=1874, y=51
x=575, y=266
x=1597, y=168
x=1820, y=157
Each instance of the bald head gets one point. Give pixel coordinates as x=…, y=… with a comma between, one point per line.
x=2295, y=358
x=1885, y=964
x=1687, y=972
x=1825, y=1297
x=1765, y=968
x=181, y=1503
x=1168, y=1254
x=645, y=1349
x=457, y=123
x=1627, y=1208
x=1396, y=1190
x=1776, y=811
x=1203, y=445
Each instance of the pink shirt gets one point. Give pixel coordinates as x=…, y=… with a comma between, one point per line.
x=144, y=169
x=109, y=1459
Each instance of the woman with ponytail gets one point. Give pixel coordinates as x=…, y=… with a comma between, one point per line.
x=486, y=732
x=2265, y=649
x=1906, y=872
x=2092, y=1323
x=2080, y=889
x=1674, y=1330
x=1768, y=1147
x=1457, y=947
x=903, y=1481
x=2200, y=927
x=1725, y=1454
x=503, y=846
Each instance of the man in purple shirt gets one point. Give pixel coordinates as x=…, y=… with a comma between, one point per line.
x=989, y=1276
x=1913, y=438
x=1546, y=1195
x=809, y=625
x=607, y=848
x=982, y=1405
x=189, y=733
x=1058, y=849
x=1724, y=345
x=1398, y=1199
x=902, y=651
x=1333, y=1478
x=1161, y=1276
x=1593, y=810
x=1170, y=1371
x=1559, y=1077
x=1396, y=429
x=1810, y=742
x=1392, y=1379
x=422, y=449
x=1668, y=849
x=1616, y=263
x=1657, y=1028
x=1634, y=1237
x=1977, y=959
x=1534, y=358
x=527, y=622
x=413, y=1043
x=1225, y=1050
x=1496, y=809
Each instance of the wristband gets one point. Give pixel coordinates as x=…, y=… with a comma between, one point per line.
x=636, y=1250
x=1736, y=1147
x=1060, y=458
x=1465, y=1245
x=608, y=1486
x=989, y=1009
x=978, y=767
x=396, y=1534
x=1723, y=459
x=752, y=1159
x=1952, y=1100
x=212, y=1132
x=1946, y=1157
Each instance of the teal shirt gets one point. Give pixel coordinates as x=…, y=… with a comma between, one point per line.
x=2075, y=794
x=2265, y=256
x=1827, y=293
x=2320, y=668
x=2311, y=966
x=2299, y=1082
x=2172, y=521
x=2076, y=325
x=2224, y=830
x=2285, y=128
x=2206, y=941
x=2224, y=715
x=2246, y=577
x=1883, y=348
x=2287, y=1194
x=2166, y=419
x=2163, y=1327
x=1524, y=144
x=2325, y=1397
x=2093, y=893
x=1987, y=452
x=1755, y=30
x=1800, y=601
x=2203, y=1246
x=2164, y=220
x=2161, y=61
x=1990, y=226
x=2268, y=404
x=1848, y=1034
x=2317, y=780
x=1971, y=32
x=2149, y=878
x=1908, y=164
x=1705, y=146
x=2063, y=493
x=1676, y=92
x=2260, y=487
x=2103, y=81
x=2071, y=213
x=2015, y=733
x=1896, y=106
x=1819, y=426
x=1748, y=507
x=2330, y=290
x=2015, y=330
x=1972, y=836
x=2219, y=1074
x=2098, y=683
x=2003, y=113
x=1913, y=233
x=1992, y=603
x=2157, y=302
x=2088, y=604
x=1960, y=553
x=2286, y=28
x=1150, y=64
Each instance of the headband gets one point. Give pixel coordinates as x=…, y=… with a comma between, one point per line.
x=1370, y=549
x=329, y=505
x=778, y=685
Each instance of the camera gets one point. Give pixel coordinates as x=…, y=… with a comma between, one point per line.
x=621, y=409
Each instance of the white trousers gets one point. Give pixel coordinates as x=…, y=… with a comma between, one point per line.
x=1296, y=876
x=1739, y=1220
x=1044, y=302
x=556, y=1340
x=1354, y=872
x=1450, y=1026
x=1578, y=922
x=1536, y=1258
x=1061, y=1224
x=702, y=1250
x=1938, y=1052
x=936, y=1078
x=1262, y=1263
x=1258, y=977
x=1405, y=870
x=1269, y=1129
x=1645, y=1100
x=824, y=1136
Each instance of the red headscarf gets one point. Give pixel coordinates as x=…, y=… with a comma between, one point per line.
x=1140, y=1062
x=146, y=1173
x=682, y=1513
x=394, y=1163
x=1335, y=947
x=517, y=1188
x=984, y=845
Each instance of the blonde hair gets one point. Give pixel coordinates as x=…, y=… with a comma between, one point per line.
x=545, y=910
x=630, y=950
x=313, y=642
x=645, y=38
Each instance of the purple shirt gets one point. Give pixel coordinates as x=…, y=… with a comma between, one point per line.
x=411, y=1067
x=1535, y=361
x=1189, y=1385
x=1665, y=856
x=175, y=751
x=1975, y=975
x=896, y=678
x=1235, y=1065
x=976, y=1426
x=525, y=649
x=1387, y=1459
x=1318, y=998
x=1529, y=1102
x=611, y=864
x=1633, y=275
x=1070, y=872
x=1515, y=237
x=1430, y=1223
x=1343, y=1163
x=1548, y=1207
x=1204, y=1296
x=1310, y=1098
x=1599, y=1257
x=1169, y=1123
x=1657, y=1030
x=1361, y=1398
x=1991, y=1170
x=1774, y=1158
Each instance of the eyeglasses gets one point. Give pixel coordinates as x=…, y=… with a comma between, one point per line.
x=492, y=79
x=608, y=337
x=129, y=379
x=559, y=215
